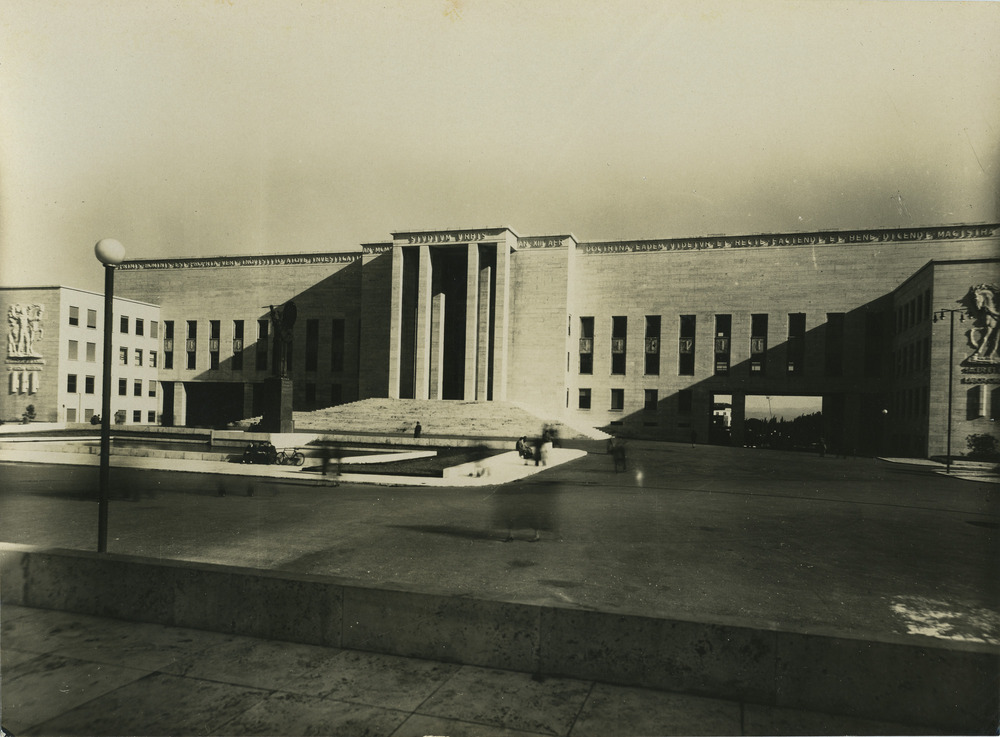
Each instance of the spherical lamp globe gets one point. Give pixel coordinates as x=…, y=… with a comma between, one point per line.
x=109, y=252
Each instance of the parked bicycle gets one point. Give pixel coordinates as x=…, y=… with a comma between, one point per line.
x=290, y=457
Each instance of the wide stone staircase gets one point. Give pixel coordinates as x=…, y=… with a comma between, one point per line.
x=445, y=418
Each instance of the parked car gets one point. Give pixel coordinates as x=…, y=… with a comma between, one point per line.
x=260, y=451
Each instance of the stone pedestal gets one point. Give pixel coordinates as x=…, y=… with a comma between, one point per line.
x=277, y=405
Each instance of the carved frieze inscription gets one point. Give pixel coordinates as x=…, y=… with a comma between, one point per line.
x=208, y=263
x=794, y=239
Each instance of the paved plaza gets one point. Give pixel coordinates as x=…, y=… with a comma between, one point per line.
x=855, y=546
x=767, y=538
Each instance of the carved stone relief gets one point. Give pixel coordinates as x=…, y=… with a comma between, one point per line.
x=24, y=330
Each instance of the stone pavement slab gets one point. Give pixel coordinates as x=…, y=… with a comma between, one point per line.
x=221, y=688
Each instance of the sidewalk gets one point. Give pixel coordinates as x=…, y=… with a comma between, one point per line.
x=499, y=469
x=71, y=674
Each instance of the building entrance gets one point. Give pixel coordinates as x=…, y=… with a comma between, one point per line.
x=449, y=321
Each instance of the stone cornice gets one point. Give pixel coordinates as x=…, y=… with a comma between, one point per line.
x=847, y=237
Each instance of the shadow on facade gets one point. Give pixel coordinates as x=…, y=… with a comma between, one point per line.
x=227, y=387
x=846, y=361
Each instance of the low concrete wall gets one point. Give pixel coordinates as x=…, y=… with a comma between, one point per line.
x=918, y=680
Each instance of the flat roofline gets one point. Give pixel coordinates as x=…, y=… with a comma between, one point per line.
x=80, y=291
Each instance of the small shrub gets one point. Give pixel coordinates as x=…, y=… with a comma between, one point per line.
x=983, y=446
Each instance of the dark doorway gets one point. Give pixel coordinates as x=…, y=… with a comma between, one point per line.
x=450, y=279
x=167, y=415
x=213, y=404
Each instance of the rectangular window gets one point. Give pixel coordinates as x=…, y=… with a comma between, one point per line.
x=91, y=318
x=191, y=344
x=617, y=400
x=92, y=352
x=586, y=345
x=137, y=388
x=122, y=356
x=337, y=345
x=151, y=416
x=758, y=344
x=168, y=344
x=152, y=359
x=139, y=326
x=74, y=350
x=796, y=342
x=88, y=385
x=723, y=336
x=154, y=329
x=124, y=324
x=685, y=347
x=311, y=395
x=122, y=387
x=584, y=401
x=619, y=337
x=71, y=383
x=74, y=315
x=652, y=345
x=137, y=415
x=684, y=401
x=650, y=399
x=152, y=388
x=336, y=394
x=262, y=345
x=312, y=348
x=835, y=344
x=137, y=357
x=214, y=338
x=237, y=345
x=87, y=414
x=71, y=414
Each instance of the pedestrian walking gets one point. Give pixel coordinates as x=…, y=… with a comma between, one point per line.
x=417, y=429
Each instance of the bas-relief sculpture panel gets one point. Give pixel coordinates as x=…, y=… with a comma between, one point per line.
x=24, y=332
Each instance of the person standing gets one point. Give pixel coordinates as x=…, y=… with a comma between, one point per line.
x=417, y=429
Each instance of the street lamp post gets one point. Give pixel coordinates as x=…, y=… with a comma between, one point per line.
x=939, y=315
x=110, y=253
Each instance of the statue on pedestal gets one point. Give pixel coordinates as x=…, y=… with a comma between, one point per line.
x=282, y=322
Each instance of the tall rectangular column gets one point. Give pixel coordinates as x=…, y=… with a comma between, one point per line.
x=500, y=322
x=471, y=320
x=437, y=346
x=180, y=404
x=395, y=321
x=422, y=359
x=483, y=323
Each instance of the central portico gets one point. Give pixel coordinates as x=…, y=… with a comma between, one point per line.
x=449, y=321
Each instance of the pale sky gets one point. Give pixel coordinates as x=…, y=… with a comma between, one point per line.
x=210, y=127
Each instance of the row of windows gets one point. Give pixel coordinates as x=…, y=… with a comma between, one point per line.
x=151, y=357
x=124, y=322
x=262, y=353
x=72, y=386
x=914, y=311
x=140, y=326
x=651, y=398
x=136, y=387
x=74, y=317
x=721, y=347
x=912, y=358
x=119, y=415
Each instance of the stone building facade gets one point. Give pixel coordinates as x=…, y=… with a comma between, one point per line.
x=647, y=338
x=54, y=356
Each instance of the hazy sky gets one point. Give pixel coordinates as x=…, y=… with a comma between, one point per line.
x=207, y=127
